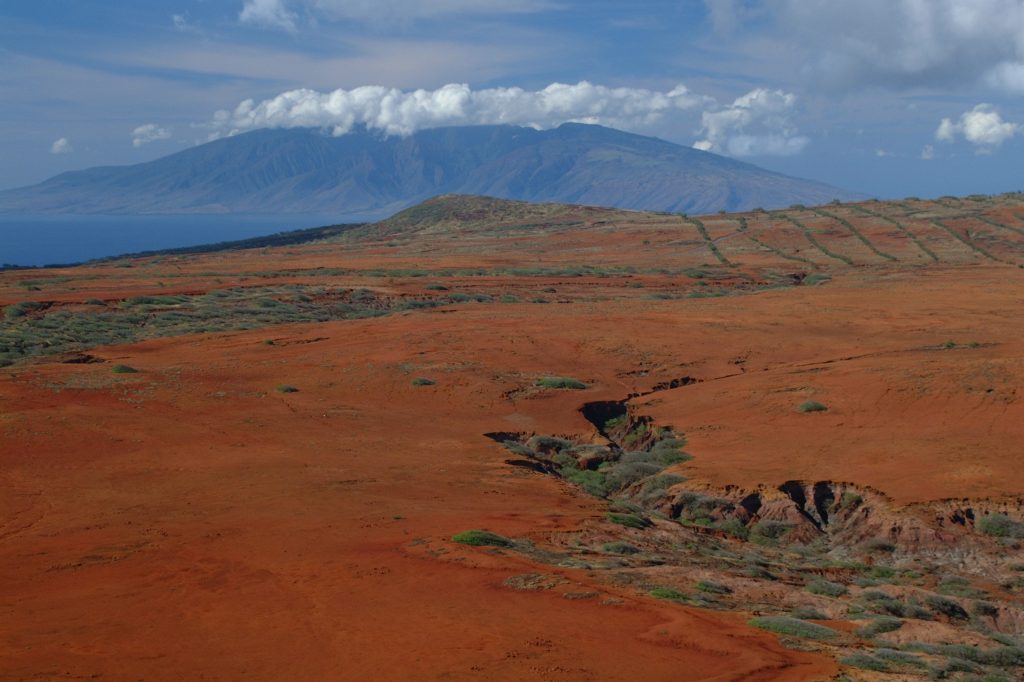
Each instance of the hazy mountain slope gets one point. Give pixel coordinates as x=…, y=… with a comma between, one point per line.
x=306, y=171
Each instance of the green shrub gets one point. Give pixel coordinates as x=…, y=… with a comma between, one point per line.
x=808, y=613
x=620, y=548
x=628, y=520
x=811, y=406
x=285, y=388
x=479, y=538
x=17, y=310
x=733, y=527
x=946, y=607
x=123, y=369
x=794, y=627
x=826, y=588
x=865, y=662
x=879, y=626
x=561, y=382
x=1000, y=526
x=668, y=593
x=769, y=532
x=423, y=381
x=593, y=482
x=712, y=587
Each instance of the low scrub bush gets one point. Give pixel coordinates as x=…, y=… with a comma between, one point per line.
x=479, y=538
x=811, y=406
x=423, y=381
x=285, y=388
x=123, y=369
x=1000, y=526
x=794, y=627
x=668, y=593
x=826, y=588
x=879, y=626
x=629, y=520
x=712, y=587
x=561, y=382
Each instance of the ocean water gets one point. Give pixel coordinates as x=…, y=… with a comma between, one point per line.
x=49, y=240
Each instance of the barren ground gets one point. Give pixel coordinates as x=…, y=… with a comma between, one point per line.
x=192, y=520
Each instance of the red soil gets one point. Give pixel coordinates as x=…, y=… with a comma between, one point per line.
x=190, y=522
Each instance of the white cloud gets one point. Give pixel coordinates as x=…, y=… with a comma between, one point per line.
x=61, y=146
x=756, y=124
x=397, y=112
x=150, y=132
x=184, y=24
x=413, y=9
x=928, y=152
x=981, y=126
x=269, y=14
x=284, y=14
x=894, y=43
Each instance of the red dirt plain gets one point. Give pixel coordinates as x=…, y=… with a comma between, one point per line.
x=190, y=522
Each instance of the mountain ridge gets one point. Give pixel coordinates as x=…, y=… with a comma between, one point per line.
x=306, y=171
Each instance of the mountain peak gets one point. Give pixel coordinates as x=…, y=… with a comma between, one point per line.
x=362, y=173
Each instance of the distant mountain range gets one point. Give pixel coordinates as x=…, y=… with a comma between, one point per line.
x=366, y=174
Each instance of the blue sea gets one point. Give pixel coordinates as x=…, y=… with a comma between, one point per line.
x=49, y=240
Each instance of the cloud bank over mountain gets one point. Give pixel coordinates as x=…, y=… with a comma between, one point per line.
x=758, y=123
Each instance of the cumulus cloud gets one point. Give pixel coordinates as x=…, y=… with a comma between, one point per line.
x=397, y=112
x=756, y=124
x=150, y=132
x=269, y=14
x=61, y=146
x=893, y=42
x=981, y=126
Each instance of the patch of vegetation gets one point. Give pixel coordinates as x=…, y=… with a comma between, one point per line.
x=285, y=388
x=628, y=520
x=712, y=587
x=620, y=548
x=1000, y=526
x=123, y=369
x=826, y=588
x=879, y=626
x=668, y=593
x=423, y=381
x=769, y=532
x=946, y=607
x=865, y=662
x=811, y=406
x=480, y=538
x=794, y=627
x=561, y=383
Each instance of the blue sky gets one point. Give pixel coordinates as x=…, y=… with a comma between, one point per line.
x=886, y=97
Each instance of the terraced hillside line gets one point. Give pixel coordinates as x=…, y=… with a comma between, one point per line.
x=856, y=233
x=988, y=221
x=818, y=245
x=910, y=235
x=707, y=240
x=967, y=242
x=780, y=253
